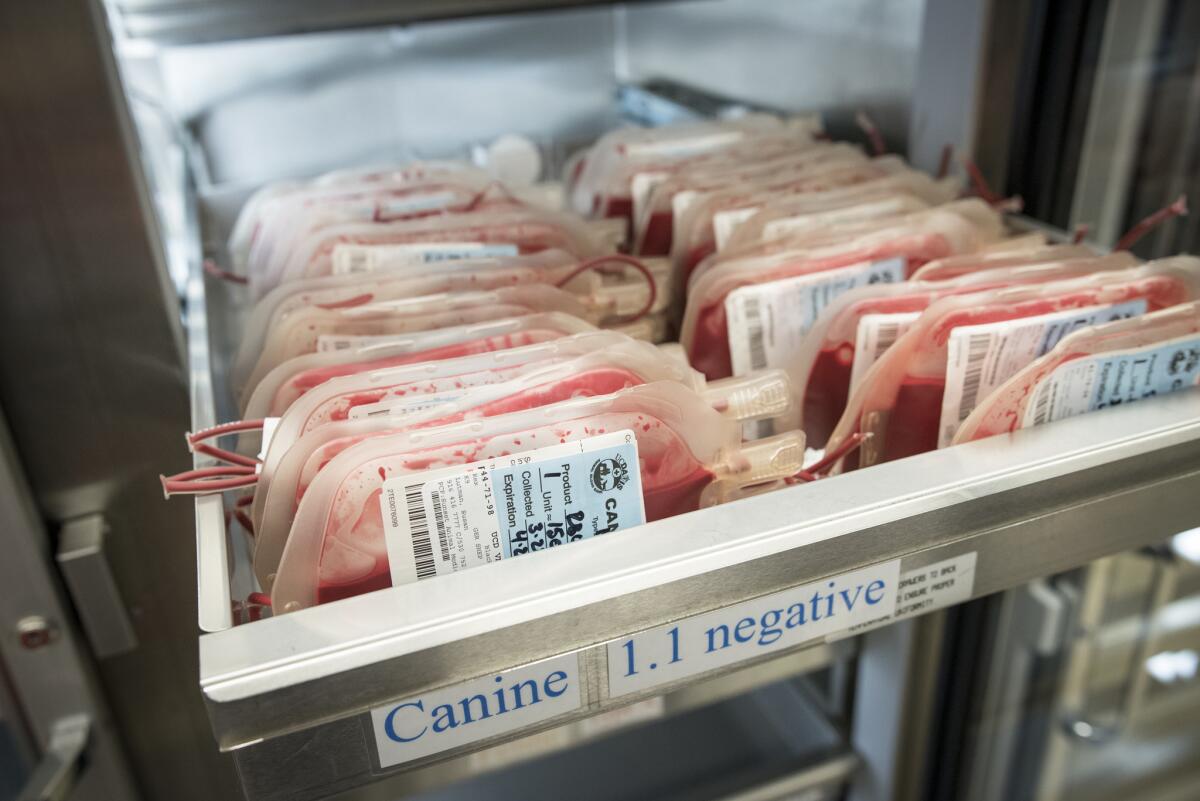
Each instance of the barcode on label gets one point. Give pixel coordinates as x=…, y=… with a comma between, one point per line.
x=755, y=333
x=977, y=351
x=1041, y=409
x=439, y=522
x=419, y=526
x=888, y=334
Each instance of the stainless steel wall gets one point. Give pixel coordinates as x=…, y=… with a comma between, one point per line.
x=267, y=108
x=91, y=371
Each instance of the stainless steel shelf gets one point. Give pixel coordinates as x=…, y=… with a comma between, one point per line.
x=193, y=21
x=1027, y=505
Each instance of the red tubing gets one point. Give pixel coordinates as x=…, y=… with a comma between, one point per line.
x=985, y=192
x=224, y=455
x=869, y=127
x=244, y=520
x=980, y=183
x=1081, y=232
x=620, y=258
x=827, y=461
x=349, y=303
x=944, y=164
x=205, y=480
x=223, y=429
x=1131, y=237
x=216, y=271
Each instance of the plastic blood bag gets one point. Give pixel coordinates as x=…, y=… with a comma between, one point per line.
x=627, y=362
x=357, y=289
x=1093, y=368
x=655, y=194
x=293, y=220
x=377, y=515
x=925, y=385
x=611, y=286
x=694, y=237
x=895, y=194
x=737, y=232
x=475, y=233
x=294, y=458
x=793, y=288
x=291, y=379
x=956, y=266
x=601, y=186
x=859, y=326
x=311, y=329
x=255, y=211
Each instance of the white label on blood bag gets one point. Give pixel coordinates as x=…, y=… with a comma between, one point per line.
x=767, y=322
x=641, y=186
x=726, y=222
x=328, y=343
x=413, y=204
x=476, y=710
x=678, y=147
x=401, y=407
x=925, y=589
x=980, y=358
x=862, y=211
x=443, y=521
x=875, y=334
x=268, y=431
x=609, y=233
x=1110, y=379
x=680, y=203
x=747, y=630
x=370, y=258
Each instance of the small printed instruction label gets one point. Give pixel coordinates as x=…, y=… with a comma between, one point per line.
x=743, y=631
x=403, y=406
x=641, y=187
x=389, y=207
x=726, y=222
x=680, y=203
x=783, y=226
x=442, y=521
x=328, y=343
x=925, y=589
x=1110, y=379
x=767, y=322
x=349, y=258
x=475, y=710
x=979, y=358
x=678, y=147
x=268, y=431
x=875, y=334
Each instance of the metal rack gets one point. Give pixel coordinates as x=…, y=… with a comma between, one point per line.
x=1000, y=511
x=298, y=699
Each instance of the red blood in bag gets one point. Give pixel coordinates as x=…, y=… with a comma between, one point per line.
x=672, y=483
x=828, y=391
x=709, y=350
x=696, y=255
x=658, y=237
x=588, y=384
x=678, y=495
x=619, y=207
x=914, y=420
x=306, y=380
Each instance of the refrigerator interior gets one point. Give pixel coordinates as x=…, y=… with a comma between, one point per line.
x=224, y=99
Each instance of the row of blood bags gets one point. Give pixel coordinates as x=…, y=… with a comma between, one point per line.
x=420, y=320
x=791, y=253
x=899, y=310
